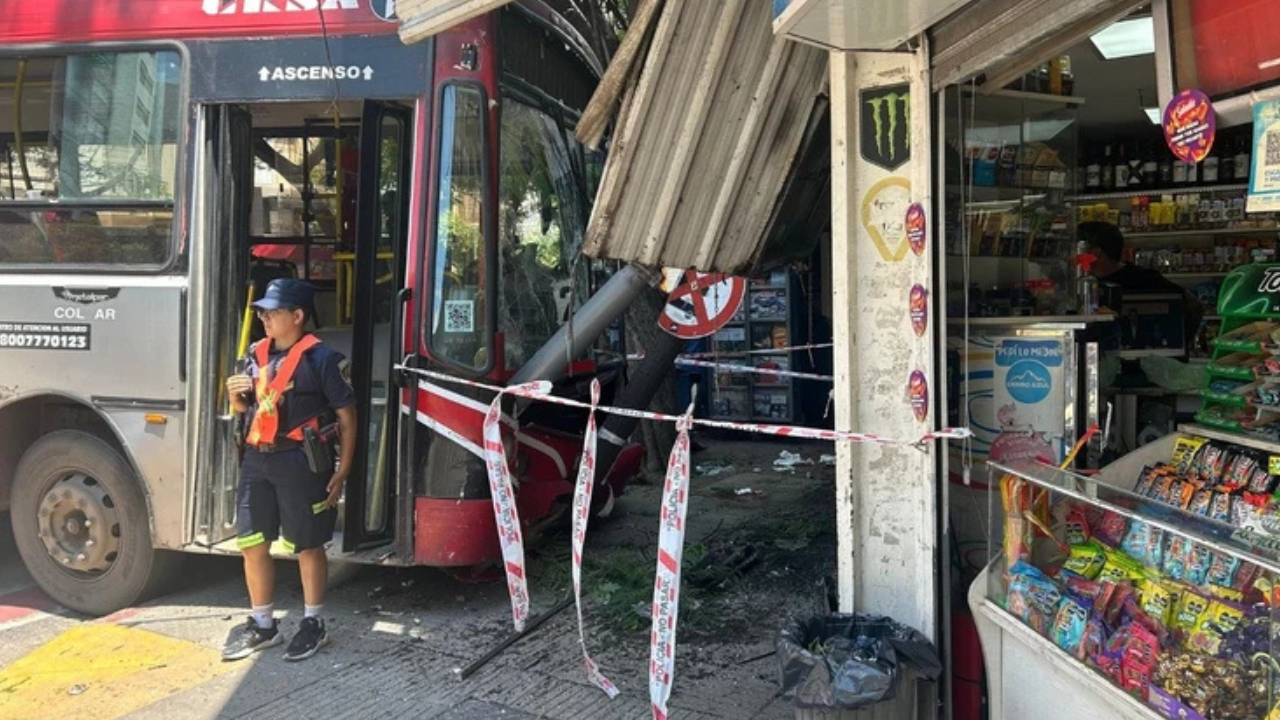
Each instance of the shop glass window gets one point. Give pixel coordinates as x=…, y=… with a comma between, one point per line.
x=88, y=168
x=459, y=319
x=540, y=230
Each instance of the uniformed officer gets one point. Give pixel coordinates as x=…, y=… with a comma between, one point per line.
x=292, y=382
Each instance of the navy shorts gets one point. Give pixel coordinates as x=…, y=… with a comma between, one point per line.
x=279, y=497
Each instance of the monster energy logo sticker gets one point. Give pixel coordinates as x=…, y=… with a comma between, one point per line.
x=886, y=126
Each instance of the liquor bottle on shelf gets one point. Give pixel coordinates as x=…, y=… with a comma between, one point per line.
x=1093, y=175
x=1241, y=164
x=1068, y=78
x=1166, y=168
x=1226, y=163
x=1122, y=171
x=1150, y=168
x=1209, y=168
x=1193, y=174
x=1108, y=171
x=1135, y=168
x=1179, y=172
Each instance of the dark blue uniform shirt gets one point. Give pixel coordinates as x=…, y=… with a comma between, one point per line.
x=321, y=382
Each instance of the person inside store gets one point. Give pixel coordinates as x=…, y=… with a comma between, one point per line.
x=1118, y=278
x=294, y=391
x=1140, y=326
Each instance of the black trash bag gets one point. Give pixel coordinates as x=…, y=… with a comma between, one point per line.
x=848, y=662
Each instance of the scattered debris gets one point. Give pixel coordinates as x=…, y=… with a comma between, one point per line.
x=791, y=544
x=721, y=564
x=390, y=589
x=513, y=638
x=827, y=460
x=789, y=461
x=714, y=468
x=747, y=491
x=76, y=689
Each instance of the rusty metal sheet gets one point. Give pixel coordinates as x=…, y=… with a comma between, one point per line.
x=708, y=137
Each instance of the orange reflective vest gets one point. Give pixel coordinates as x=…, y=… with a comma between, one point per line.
x=269, y=390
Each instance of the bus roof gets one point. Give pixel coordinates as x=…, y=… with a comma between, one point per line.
x=84, y=21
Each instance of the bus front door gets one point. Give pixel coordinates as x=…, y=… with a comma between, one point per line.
x=379, y=299
x=228, y=188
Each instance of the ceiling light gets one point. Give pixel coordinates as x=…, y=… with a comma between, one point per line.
x=1126, y=38
x=1155, y=115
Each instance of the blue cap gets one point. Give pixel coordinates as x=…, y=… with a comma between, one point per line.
x=286, y=293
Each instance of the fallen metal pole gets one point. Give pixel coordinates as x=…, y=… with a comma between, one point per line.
x=513, y=638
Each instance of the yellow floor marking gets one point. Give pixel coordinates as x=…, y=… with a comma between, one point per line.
x=103, y=671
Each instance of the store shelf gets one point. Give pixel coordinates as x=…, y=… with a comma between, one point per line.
x=1247, y=441
x=1141, y=192
x=1017, y=258
x=1195, y=275
x=1228, y=399
x=1024, y=96
x=1243, y=374
x=1213, y=232
x=1236, y=346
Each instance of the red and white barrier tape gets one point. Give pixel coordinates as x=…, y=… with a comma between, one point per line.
x=666, y=587
x=581, y=516
x=721, y=354
x=776, y=430
x=731, y=368
x=507, y=518
x=675, y=505
x=767, y=351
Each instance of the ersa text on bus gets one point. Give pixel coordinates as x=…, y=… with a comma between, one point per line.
x=254, y=7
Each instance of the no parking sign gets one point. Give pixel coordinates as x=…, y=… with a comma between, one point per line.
x=699, y=303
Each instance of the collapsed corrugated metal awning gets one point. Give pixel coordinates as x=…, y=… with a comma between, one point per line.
x=709, y=131
x=715, y=111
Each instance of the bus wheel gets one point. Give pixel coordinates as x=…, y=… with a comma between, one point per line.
x=80, y=522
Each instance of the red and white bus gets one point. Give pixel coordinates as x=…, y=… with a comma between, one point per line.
x=164, y=159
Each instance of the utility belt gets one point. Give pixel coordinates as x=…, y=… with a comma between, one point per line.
x=317, y=444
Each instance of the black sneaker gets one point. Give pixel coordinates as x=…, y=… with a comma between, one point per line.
x=310, y=638
x=249, y=639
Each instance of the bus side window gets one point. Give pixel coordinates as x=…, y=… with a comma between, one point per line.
x=97, y=134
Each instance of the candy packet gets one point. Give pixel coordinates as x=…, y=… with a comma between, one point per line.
x=1185, y=451
x=1032, y=597
x=1069, y=623
x=1086, y=560
x=1190, y=609
x=1077, y=526
x=1120, y=567
x=1110, y=528
x=1222, y=570
x=1137, y=540
x=1158, y=600
x=1219, y=619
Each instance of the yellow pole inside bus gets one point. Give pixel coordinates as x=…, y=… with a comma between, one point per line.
x=246, y=324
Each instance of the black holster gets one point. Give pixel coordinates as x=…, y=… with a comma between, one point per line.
x=318, y=447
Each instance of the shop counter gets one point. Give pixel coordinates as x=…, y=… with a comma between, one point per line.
x=1151, y=590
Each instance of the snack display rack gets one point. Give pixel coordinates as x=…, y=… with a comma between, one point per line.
x=1151, y=589
x=763, y=324
x=1243, y=389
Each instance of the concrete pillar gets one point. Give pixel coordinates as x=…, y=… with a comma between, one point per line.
x=884, y=363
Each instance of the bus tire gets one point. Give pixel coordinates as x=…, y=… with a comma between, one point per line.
x=82, y=527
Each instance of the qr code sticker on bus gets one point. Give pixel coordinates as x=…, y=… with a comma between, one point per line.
x=459, y=316
x=1273, y=147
